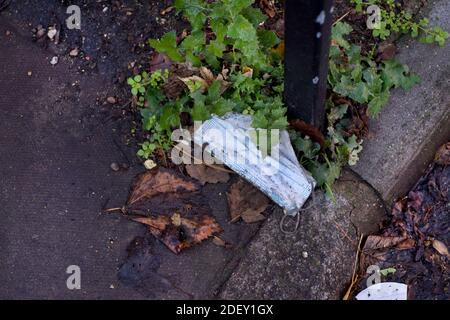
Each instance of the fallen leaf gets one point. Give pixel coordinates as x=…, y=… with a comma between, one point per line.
x=442, y=156
x=206, y=174
x=207, y=75
x=308, y=129
x=155, y=182
x=179, y=237
x=441, y=248
x=380, y=242
x=174, y=86
x=173, y=208
x=268, y=7
x=246, y=202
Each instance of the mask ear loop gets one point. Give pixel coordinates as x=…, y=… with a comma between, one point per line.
x=297, y=217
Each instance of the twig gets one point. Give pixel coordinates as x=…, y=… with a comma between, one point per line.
x=354, y=275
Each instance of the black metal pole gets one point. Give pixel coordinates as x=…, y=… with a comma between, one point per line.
x=307, y=39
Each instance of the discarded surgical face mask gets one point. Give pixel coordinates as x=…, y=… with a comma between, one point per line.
x=275, y=170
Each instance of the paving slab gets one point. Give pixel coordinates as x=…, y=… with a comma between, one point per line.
x=415, y=123
x=316, y=262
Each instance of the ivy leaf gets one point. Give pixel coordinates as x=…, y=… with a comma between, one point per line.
x=167, y=45
x=338, y=32
x=169, y=118
x=194, y=41
x=236, y=6
x=254, y=15
x=214, y=91
x=216, y=48
x=360, y=92
x=199, y=112
x=222, y=106
x=260, y=120
x=242, y=29
x=396, y=74
x=280, y=123
x=378, y=102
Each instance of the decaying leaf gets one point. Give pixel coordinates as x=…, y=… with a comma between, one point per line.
x=380, y=242
x=268, y=7
x=207, y=75
x=386, y=51
x=173, y=207
x=246, y=202
x=441, y=248
x=156, y=182
x=174, y=86
x=206, y=174
x=442, y=156
x=178, y=237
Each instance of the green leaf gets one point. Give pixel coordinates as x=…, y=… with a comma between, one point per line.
x=242, y=29
x=214, y=91
x=194, y=41
x=254, y=15
x=222, y=106
x=267, y=38
x=339, y=31
x=377, y=103
x=168, y=45
x=259, y=120
x=170, y=118
x=280, y=123
x=360, y=92
x=387, y=271
x=216, y=48
x=236, y=6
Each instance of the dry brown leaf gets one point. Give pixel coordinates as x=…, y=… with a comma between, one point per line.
x=268, y=7
x=308, y=129
x=173, y=207
x=206, y=174
x=154, y=182
x=246, y=202
x=167, y=10
x=178, y=237
x=386, y=51
x=207, y=75
x=203, y=82
x=441, y=248
x=379, y=242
